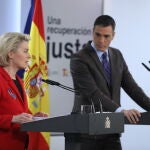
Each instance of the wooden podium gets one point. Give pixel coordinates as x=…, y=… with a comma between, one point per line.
x=91, y=124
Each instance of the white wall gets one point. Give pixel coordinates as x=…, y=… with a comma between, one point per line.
x=10, y=15
x=25, y=6
x=132, y=38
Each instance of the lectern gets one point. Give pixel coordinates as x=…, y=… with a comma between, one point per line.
x=91, y=124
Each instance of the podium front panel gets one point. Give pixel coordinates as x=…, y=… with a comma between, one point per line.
x=92, y=124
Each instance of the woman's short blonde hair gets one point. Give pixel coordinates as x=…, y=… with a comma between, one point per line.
x=10, y=42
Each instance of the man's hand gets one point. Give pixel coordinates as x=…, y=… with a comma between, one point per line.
x=132, y=115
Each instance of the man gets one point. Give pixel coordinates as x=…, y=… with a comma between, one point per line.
x=99, y=71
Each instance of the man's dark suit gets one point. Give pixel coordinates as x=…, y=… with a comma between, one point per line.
x=90, y=82
x=89, y=79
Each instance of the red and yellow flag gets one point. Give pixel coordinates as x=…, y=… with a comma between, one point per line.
x=37, y=92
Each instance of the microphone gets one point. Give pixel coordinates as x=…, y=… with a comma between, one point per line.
x=101, y=108
x=93, y=107
x=146, y=66
x=51, y=82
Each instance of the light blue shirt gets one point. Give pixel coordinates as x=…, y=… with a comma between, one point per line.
x=99, y=54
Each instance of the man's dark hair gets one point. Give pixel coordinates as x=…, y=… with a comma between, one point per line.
x=105, y=21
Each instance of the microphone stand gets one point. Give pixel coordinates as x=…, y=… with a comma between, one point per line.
x=146, y=66
x=59, y=85
x=51, y=82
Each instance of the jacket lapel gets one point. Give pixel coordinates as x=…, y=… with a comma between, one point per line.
x=113, y=67
x=11, y=84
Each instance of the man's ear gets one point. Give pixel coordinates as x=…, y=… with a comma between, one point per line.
x=114, y=34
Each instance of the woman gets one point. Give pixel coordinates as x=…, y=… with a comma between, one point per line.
x=14, y=55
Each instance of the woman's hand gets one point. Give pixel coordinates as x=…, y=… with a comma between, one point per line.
x=41, y=114
x=22, y=118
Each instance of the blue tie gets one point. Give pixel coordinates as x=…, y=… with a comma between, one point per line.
x=106, y=66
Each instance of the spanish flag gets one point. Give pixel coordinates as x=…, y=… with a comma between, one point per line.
x=37, y=91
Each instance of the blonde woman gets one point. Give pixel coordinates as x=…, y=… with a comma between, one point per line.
x=14, y=55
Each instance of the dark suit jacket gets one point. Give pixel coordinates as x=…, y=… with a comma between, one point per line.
x=89, y=80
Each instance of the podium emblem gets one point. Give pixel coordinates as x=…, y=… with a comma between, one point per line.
x=107, y=122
